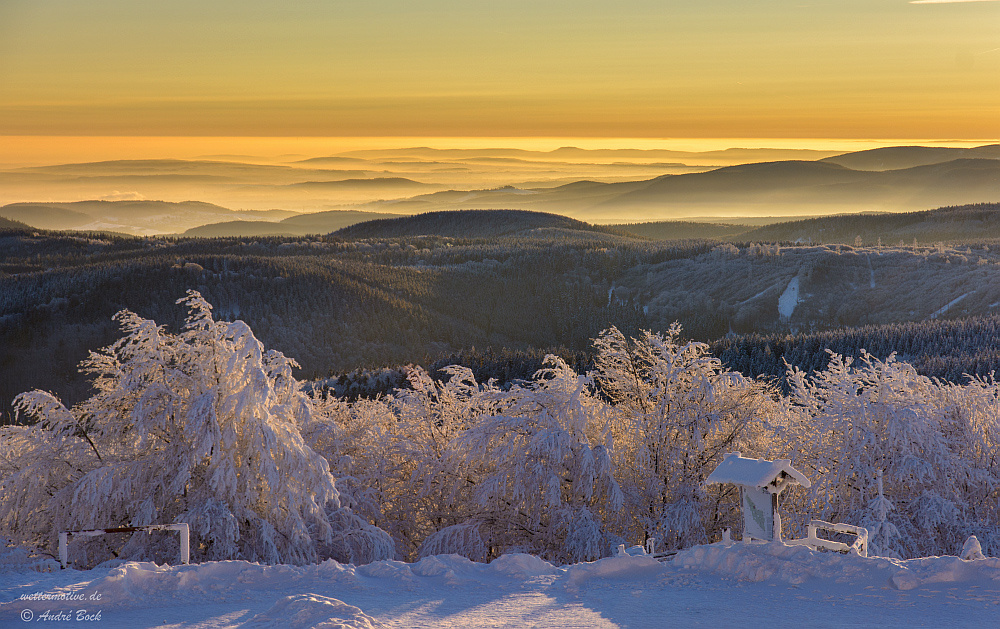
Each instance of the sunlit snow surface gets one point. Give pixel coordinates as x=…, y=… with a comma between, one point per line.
x=716, y=586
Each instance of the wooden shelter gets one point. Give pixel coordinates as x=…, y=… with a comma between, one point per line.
x=760, y=483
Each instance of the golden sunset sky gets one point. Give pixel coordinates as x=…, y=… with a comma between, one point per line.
x=512, y=68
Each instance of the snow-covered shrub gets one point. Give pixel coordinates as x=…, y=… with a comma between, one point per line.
x=677, y=412
x=198, y=427
x=889, y=449
x=458, y=539
x=440, y=480
x=21, y=558
x=395, y=460
x=357, y=439
x=973, y=427
x=548, y=477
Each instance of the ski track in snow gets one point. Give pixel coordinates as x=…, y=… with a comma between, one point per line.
x=714, y=586
x=746, y=301
x=948, y=306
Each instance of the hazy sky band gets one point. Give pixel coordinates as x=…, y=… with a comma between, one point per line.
x=718, y=68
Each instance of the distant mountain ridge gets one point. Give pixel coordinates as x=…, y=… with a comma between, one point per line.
x=376, y=182
x=768, y=188
x=723, y=156
x=892, y=179
x=900, y=157
x=965, y=223
x=299, y=225
x=135, y=217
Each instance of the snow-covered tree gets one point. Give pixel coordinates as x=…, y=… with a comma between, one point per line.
x=973, y=427
x=677, y=412
x=441, y=480
x=886, y=450
x=395, y=459
x=549, y=480
x=199, y=427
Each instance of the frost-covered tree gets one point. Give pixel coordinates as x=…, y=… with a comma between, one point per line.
x=549, y=479
x=198, y=427
x=973, y=427
x=395, y=458
x=356, y=439
x=432, y=416
x=887, y=450
x=677, y=412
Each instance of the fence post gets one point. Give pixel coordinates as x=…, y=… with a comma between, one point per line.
x=63, y=552
x=185, y=532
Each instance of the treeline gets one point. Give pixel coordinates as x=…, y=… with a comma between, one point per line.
x=950, y=350
x=946, y=349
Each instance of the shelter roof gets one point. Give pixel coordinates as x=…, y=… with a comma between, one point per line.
x=754, y=472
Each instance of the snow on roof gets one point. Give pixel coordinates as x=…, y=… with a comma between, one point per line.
x=754, y=472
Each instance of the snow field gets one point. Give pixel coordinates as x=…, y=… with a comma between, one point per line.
x=789, y=299
x=711, y=585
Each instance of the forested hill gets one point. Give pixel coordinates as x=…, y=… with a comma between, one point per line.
x=465, y=224
x=964, y=223
x=954, y=224
x=680, y=230
x=333, y=305
x=6, y=223
x=136, y=217
x=336, y=304
x=298, y=225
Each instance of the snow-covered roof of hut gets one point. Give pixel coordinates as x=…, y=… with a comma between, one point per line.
x=754, y=472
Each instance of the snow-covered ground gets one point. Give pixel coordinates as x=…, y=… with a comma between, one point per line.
x=716, y=586
x=789, y=299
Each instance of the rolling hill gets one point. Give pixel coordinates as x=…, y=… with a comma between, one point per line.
x=900, y=157
x=465, y=224
x=46, y=215
x=769, y=188
x=6, y=223
x=134, y=217
x=973, y=223
x=966, y=223
x=681, y=230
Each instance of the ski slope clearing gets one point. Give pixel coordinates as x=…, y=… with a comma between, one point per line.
x=789, y=299
x=713, y=585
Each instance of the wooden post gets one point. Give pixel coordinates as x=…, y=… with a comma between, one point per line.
x=185, y=532
x=63, y=552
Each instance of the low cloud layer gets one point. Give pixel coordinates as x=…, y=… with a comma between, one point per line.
x=122, y=196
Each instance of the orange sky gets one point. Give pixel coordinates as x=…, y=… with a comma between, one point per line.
x=634, y=68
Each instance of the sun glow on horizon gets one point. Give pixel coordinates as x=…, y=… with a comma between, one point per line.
x=24, y=151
